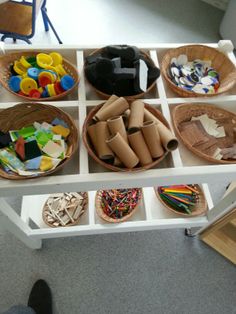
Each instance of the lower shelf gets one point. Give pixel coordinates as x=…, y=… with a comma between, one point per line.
x=151, y=214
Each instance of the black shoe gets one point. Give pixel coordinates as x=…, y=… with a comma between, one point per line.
x=40, y=298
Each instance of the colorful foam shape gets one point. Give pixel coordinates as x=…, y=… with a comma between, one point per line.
x=59, y=129
x=33, y=164
x=27, y=131
x=20, y=148
x=5, y=139
x=32, y=150
x=58, y=121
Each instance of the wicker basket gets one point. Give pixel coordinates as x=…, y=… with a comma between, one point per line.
x=105, y=217
x=91, y=152
x=25, y=114
x=199, y=209
x=220, y=62
x=69, y=224
x=5, y=74
x=184, y=113
x=136, y=96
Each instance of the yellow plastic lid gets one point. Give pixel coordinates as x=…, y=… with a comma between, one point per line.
x=25, y=63
x=51, y=90
x=43, y=60
x=19, y=68
x=56, y=57
x=27, y=84
x=60, y=70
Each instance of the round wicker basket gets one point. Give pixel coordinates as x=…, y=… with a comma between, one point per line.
x=25, y=114
x=90, y=148
x=184, y=113
x=105, y=217
x=220, y=62
x=199, y=209
x=85, y=206
x=136, y=96
x=5, y=74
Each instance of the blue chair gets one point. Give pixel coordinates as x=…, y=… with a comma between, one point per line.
x=18, y=19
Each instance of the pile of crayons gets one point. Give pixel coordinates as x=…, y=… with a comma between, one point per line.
x=182, y=198
x=119, y=203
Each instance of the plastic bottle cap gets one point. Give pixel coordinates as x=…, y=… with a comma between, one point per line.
x=33, y=73
x=45, y=78
x=67, y=82
x=45, y=93
x=51, y=90
x=56, y=57
x=34, y=93
x=27, y=84
x=58, y=88
x=60, y=70
x=44, y=60
x=24, y=62
x=14, y=83
x=19, y=68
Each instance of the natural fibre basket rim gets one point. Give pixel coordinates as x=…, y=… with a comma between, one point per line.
x=87, y=144
x=187, y=106
x=76, y=222
x=202, y=206
x=105, y=95
x=104, y=216
x=185, y=93
x=73, y=136
x=11, y=58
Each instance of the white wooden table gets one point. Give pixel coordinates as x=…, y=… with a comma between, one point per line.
x=83, y=174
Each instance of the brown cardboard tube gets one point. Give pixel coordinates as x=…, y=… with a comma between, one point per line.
x=102, y=134
x=136, y=115
x=148, y=116
x=117, y=162
x=125, y=116
x=114, y=109
x=116, y=124
x=92, y=135
x=169, y=141
x=109, y=101
x=139, y=146
x=152, y=138
x=119, y=146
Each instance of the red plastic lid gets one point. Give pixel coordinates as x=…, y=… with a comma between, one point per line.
x=58, y=88
x=34, y=93
x=44, y=80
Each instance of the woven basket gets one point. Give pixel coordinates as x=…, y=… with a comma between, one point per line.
x=25, y=114
x=199, y=209
x=136, y=96
x=184, y=113
x=104, y=216
x=91, y=152
x=5, y=74
x=220, y=62
x=69, y=224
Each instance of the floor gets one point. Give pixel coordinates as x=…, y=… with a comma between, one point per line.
x=152, y=272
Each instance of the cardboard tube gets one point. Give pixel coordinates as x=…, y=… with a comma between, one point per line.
x=119, y=146
x=125, y=116
x=148, y=116
x=152, y=138
x=116, y=124
x=114, y=109
x=136, y=115
x=169, y=141
x=139, y=146
x=117, y=162
x=92, y=135
x=102, y=134
x=109, y=101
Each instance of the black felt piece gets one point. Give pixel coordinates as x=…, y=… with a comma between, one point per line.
x=137, y=88
x=116, y=62
x=92, y=59
x=124, y=73
x=5, y=140
x=124, y=88
x=32, y=150
x=104, y=85
x=90, y=72
x=104, y=67
x=125, y=52
x=40, y=298
x=153, y=73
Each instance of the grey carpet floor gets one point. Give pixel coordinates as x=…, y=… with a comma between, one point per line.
x=156, y=272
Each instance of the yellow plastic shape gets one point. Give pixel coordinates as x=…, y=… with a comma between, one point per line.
x=44, y=60
x=47, y=74
x=51, y=90
x=27, y=84
x=56, y=57
x=25, y=63
x=60, y=70
x=19, y=68
x=61, y=130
